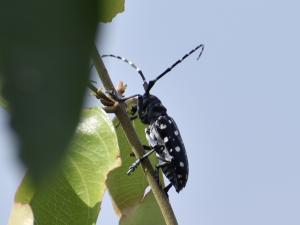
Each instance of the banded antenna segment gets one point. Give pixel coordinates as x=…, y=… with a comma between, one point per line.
x=128, y=62
x=152, y=82
x=180, y=61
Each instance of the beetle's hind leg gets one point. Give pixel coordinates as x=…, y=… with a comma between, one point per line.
x=167, y=188
x=157, y=167
x=163, y=162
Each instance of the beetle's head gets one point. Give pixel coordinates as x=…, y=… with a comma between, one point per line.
x=150, y=108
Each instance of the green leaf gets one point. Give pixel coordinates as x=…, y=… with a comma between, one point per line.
x=44, y=63
x=147, y=212
x=127, y=192
x=74, y=195
x=108, y=9
x=3, y=102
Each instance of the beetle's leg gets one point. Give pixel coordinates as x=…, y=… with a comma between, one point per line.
x=137, y=162
x=146, y=148
x=162, y=163
x=156, y=174
x=118, y=124
x=167, y=188
x=158, y=166
x=131, y=118
x=132, y=114
x=116, y=97
x=156, y=148
x=127, y=98
x=133, y=109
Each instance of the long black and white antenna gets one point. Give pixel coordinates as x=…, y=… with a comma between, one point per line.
x=148, y=86
x=152, y=82
x=128, y=62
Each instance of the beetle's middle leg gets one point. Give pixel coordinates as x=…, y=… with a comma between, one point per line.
x=146, y=155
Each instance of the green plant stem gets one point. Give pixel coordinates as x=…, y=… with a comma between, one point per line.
x=138, y=150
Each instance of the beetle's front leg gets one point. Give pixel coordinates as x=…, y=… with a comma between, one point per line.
x=117, y=98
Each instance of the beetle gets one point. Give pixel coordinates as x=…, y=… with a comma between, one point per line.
x=162, y=133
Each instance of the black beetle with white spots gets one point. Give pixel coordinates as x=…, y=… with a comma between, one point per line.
x=162, y=132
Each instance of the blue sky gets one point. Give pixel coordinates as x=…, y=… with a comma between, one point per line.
x=237, y=107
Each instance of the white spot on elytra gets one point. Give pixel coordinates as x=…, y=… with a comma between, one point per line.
x=171, y=150
x=176, y=132
x=163, y=126
x=181, y=164
x=166, y=139
x=179, y=176
x=170, y=121
x=177, y=149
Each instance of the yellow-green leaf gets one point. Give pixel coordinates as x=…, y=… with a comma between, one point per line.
x=74, y=194
x=3, y=102
x=127, y=192
x=108, y=9
x=146, y=212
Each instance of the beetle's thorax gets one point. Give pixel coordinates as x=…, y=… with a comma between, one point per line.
x=150, y=108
